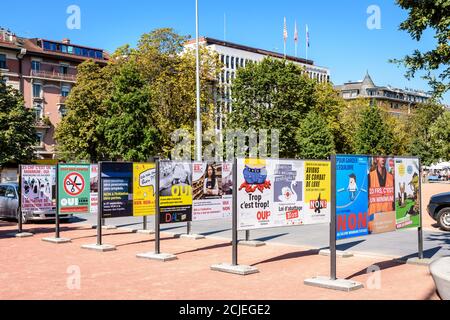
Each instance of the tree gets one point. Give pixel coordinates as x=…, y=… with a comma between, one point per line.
x=373, y=135
x=349, y=119
x=314, y=137
x=77, y=134
x=127, y=126
x=424, y=15
x=17, y=131
x=440, y=137
x=276, y=94
x=418, y=128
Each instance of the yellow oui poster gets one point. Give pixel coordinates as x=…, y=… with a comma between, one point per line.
x=317, y=192
x=144, y=175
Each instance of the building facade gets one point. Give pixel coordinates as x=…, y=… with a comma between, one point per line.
x=399, y=102
x=235, y=56
x=44, y=71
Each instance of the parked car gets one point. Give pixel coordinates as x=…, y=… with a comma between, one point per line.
x=439, y=210
x=9, y=206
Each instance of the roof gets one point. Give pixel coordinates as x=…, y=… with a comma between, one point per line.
x=228, y=44
x=32, y=47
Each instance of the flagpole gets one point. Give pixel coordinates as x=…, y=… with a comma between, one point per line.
x=307, y=41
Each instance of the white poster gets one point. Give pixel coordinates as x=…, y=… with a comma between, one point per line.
x=94, y=188
x=211, y=191
x=270, y=193
x=38, y=187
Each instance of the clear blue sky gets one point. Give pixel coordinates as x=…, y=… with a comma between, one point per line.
x=340, y=39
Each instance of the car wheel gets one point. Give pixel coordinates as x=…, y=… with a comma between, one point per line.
x=443, y=219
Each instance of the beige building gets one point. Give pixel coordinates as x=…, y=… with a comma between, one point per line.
x=397, y=101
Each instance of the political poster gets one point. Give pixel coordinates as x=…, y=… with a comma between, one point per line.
x=175, y=191
x=117, y=189
x=275, y=193
x=38, y=187
x=94, y=188
x=209, y=199
x=407, y=192
x=73, y=188
x=317, y=192
x=382, y=216
x=352, y=198
x=144, y=178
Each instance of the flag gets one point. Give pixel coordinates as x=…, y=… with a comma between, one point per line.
x=296, y=33
x=285, y=31
x=307, y=36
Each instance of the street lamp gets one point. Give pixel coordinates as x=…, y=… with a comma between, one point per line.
x=199, y=120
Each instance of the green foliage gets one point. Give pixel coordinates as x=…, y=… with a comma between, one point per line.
x=17, y=131
x=424, y=15
x=314, y=137
x=440, y=137
x=130, y=108
x=373, y=135
x=77, y=134
x=275, y=94
x=418, y=128
x=128, y=129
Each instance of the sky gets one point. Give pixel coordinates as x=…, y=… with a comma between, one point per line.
x=339, y=36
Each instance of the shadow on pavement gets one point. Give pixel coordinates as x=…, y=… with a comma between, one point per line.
x=213, y=232
x=215, y=246
x=348, y=245
x=387, y=264
x=291, y=255
x=140, y=242
x=263, y=239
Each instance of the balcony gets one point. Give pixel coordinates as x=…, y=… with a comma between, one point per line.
x=47, y=75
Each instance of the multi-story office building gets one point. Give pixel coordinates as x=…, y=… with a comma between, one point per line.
x=44, y=71
x=396, y=101
x=234, y=56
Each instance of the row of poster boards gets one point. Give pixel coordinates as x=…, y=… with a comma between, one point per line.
x=374, y=194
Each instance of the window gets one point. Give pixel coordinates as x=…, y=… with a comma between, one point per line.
x=62, y=110
x=10, y=193
x=70, y=49
x=63, y=69
x=37, y=90
x=65, y=90
x=222, y=58
x=232, y=62
x=227, y=61
x=38, y=112
x=98, y=55
x=39, y=139
x=35, y=65
x=228, y=77
x=3, y=61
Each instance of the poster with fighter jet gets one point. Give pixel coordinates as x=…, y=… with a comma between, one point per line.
x=275, y=193
x=407, y=193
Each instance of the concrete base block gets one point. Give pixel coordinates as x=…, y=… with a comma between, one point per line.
x=252, y=243
x=419, y=262
x=57, y=240
x=339, y=253
x=21, y=235
x=241, y=270
x=339, y=284
x=109, y=227
x=101, y=248
x=128, y=229
x=146, y=231
x=192, y=236
x=163, y=257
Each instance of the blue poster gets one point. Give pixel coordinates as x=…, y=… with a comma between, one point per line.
x=352, y=199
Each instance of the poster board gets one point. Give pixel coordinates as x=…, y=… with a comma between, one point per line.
x=175, y=192
x=276, y=193
x=38, y=188
x=211, y=191
x=74, y=188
